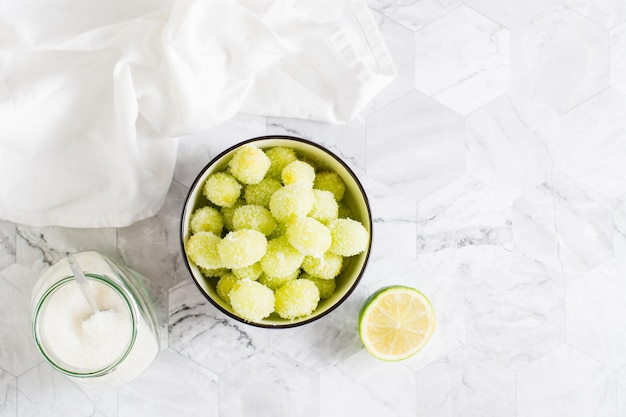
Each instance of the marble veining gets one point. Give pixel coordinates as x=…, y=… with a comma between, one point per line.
x=494, y=168
x=560, y=57
x=463, y=60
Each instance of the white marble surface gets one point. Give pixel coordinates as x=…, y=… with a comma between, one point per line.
x=495, y=169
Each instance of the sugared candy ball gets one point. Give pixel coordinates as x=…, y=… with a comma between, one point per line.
x=281, y=259
x=291, y=201
x=343, y=211
x=202, y=250
x=274, y=283
x=325, y=208
x=260, y=194
x=297, y=298
x=309, y=236
x=326, y=287
x=228, y=213
x=349, y=237
x=281, y=229
x=249, y=164
x=251, y=272
x=279, y=157
x=222, y=189
x=214, y=272
x=224, y=285
x=330, y=181
x=325, y=267
x=241, y=248
x=254, y=217
x=251, y=300
x=298, y=171
x=206, y=219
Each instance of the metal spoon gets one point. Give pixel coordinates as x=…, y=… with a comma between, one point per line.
x=82, y=282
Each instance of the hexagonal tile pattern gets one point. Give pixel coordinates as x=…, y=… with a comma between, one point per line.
x=346, y=140
x=462, y=60
x=565, y=383
x=463, y=213
x=608, y=13
x=593, y=303
x=414, y=14
x=465, y=383
x=431, y=137
x=593, y=149
x=515, y=307
x=399, y=41
x=564, y=225
x=38, y=247
x=7, y=244
x=269, y=385
x=510, y=13
x=8, y=395
x=347, y=390
x=618, y=58
x=326, y=341
x=511, y=143
x=201, y=332
x=540, y=47
x=426, y=275
x=394, y=220
x=42, y=391
x=172, y=383
x=17, y=348
x=157, y=234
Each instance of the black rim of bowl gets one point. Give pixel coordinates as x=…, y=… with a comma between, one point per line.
x=286, y=324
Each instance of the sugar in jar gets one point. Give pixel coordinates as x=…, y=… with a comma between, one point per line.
x=105, y=347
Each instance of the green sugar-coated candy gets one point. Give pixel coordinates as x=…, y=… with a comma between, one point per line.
x=281, y=229
x=281, y=259
x=349, y=237
x=251, y=300
x=298, y=171
x=224, y=285
x=228, y=213
x=326, y=267
x=297, y=298
x=260, y=194
x=274, y=283
x=291, y=201
x=215, y=272
x=279, y=158
x=325, y=208
x=326, y=287
x=242, y=248
x=309, y=236
x=343, y=211
x=206, y=219
x=249, y=164
x=202, y=250
x=254, y=217
x=252, y=272
x=222, y=189
x=330, y=181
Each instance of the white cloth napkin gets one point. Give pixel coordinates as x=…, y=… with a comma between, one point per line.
x=93, y=93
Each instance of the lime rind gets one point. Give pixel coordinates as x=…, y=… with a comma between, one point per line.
x=369, y=305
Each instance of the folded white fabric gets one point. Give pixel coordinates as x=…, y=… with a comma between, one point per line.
x=93, y=93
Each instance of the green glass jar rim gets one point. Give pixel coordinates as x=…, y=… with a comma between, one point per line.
x=40, y=342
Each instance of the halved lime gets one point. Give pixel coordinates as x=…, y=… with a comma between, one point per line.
x=396, y=322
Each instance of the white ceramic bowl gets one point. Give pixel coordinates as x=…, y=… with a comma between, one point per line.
x=355, y=198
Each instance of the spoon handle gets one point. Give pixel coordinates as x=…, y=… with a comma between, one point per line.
x=82, y=282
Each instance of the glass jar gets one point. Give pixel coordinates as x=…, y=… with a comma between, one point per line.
x=108, y=347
